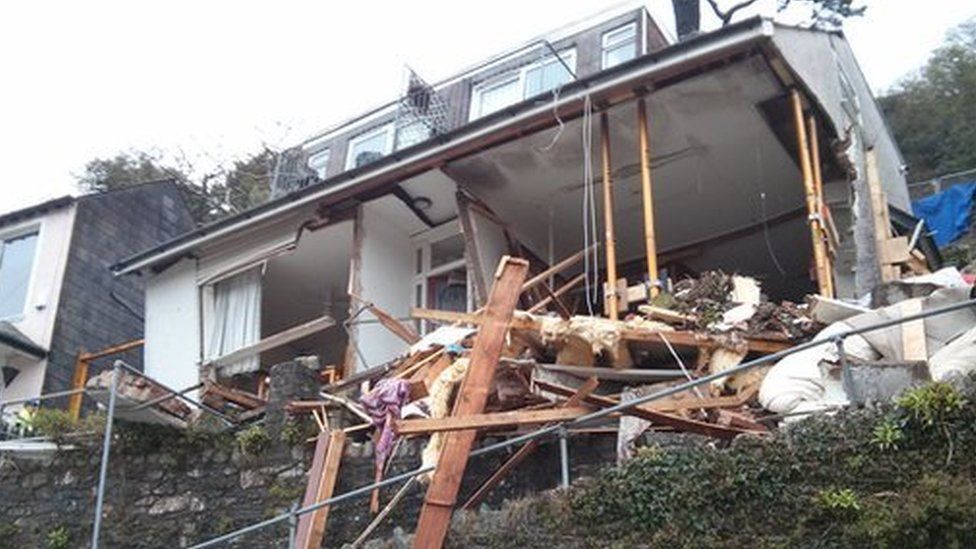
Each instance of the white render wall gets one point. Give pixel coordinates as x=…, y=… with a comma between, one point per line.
x=172, y=351
x=41, y=306
x=386, y=270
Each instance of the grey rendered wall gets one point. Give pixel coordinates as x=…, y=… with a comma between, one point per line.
x=815, y=56
x=97, y=309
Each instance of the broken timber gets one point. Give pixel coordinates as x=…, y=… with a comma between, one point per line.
x=483, y=421
x=321, y=483
x=677, y=338
x=439, y=502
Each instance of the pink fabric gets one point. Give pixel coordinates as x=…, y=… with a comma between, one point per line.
x=383, y=405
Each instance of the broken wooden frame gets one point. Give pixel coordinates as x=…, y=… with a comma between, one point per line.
x=83, y=362
x=273, y=341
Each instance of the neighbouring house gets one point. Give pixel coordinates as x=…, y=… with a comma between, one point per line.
x=58, y=296
x=761, y=144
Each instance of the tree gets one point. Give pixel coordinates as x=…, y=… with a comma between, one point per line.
x=822, y=13
x=933, y=112
x=210, y=196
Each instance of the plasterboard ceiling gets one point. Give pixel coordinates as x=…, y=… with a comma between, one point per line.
x=439, y=189
x=717, y=167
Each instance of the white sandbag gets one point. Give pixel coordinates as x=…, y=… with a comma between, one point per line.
x=805, y=381
x=957, y=358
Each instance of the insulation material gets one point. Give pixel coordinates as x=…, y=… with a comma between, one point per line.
x=956, y=359
x=441, y=392
x=631, y=427
x=581, y=338
x=725, y=358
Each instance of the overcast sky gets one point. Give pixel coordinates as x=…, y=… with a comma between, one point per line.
x=213, y=80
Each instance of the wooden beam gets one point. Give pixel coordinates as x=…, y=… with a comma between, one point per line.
x=647, y=195
x=486, y=421
x=556, y=269
x=575, y=281
x=113, y=350
x=657, y=417
x=913, y=342
x=321, y=484
x=609, y=235
x=676, y=337
x=399, y=329
x=675, y=404
x=820, y=260
x=825, y=219
x=632, y=375
x=241, y=398
x=439, y=501
x=78, y=381
x=582, y=392
x=273, y=341
x=879, y=212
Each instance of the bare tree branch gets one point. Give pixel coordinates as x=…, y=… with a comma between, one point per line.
x=726, y=16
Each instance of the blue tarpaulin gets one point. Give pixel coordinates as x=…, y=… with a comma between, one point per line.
x=946, y=213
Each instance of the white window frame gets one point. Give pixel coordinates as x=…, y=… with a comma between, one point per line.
x=422, y=246
x=612, y=39
x=31, y=227
x=313, y=158
x=388, y=129
x=568, y=56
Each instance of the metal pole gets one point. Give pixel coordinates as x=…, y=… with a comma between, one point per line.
x=564, y=457
x=293, y=527
x=106, y=448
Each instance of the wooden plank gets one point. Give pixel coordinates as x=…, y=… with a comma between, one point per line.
x=657, y=417
x=323, y=487
x=557, y=268
x=913, y=344
x=241, y=398
x=665, y=315
x=397, y=328
x=609, y=235
x=677, y=338
x=486, y=421
x=647, y=195
x=113, y=350
x=582, y=392
x=879, y=212
x=439, y=501
x=273, y=341
x=324, y=454
x=575, y=281
x=631, y=375
x=78, y=381
x=821, y=261
x=895, y=250
x=674, y=404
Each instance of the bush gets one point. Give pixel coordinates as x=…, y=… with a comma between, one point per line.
x=59, y=538
x=254, y=440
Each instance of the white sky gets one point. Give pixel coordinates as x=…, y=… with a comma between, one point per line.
x=214, y=80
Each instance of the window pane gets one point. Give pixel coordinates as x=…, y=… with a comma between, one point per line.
x=411, y=134
x=445, y=251
x=618, y=54
x=15, y=271
x=449, y=291
x=499, y=96
x=319, y=163
x=550, y=75
x=368, y=150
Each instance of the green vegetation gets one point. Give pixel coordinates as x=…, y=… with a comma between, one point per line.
x=58, y=538
x=932, y=112
x=254, y=440
x=871, y=478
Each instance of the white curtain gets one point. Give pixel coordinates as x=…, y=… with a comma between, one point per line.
x=236, y=319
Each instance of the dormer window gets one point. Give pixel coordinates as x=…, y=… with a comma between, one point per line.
x=516, y=85
x=370, y=146
x=319, y=163
x=619, y=45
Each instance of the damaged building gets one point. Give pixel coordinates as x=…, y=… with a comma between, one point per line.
x=748, y=150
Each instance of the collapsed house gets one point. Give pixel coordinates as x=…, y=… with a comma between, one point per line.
x=626, y=174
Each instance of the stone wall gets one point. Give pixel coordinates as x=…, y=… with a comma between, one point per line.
x=170, y=489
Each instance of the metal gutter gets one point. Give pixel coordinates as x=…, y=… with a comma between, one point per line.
x=423, y=156
x=13, y=338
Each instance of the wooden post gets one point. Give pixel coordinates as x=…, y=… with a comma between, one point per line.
x=435, y=516
x=803, y=149
x=647, y=195
x=821, y=205
x=611, y=286
x=78, y=381
x=321, y=484
x=879, y=211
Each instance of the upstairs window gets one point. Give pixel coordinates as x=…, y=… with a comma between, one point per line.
x=16, y=263
x=619, y=45
x=516, y=85
x=319, y=163
x=370, y=146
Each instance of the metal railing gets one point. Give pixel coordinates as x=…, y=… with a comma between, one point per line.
x=560, y=428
